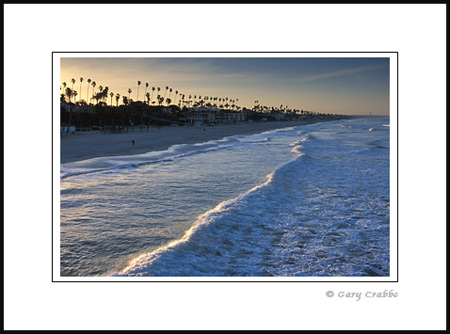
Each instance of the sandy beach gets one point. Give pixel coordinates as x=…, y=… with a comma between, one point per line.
x=90, y=144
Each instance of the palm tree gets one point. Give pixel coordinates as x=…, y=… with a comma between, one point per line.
x=176, y=93
x=153, y=91
x=138, y=84
x=73, y=81
x=256, y=105
x=117, y=99
x=69, y=94
x=97, y=97
x=87, y=94
x=111, y=94
x=147, y=95
x=105, y=94
x=93, y=88
x=129, y=92
x=81, y=80
x=170, y=91
x=100, y=94
x=146, y=86
x=64, y=87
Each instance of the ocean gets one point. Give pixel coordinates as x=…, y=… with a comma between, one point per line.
x=309, y=201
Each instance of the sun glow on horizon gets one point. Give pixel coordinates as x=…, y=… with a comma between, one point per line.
x=325, y=85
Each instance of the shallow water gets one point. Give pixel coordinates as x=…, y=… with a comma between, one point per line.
x=305, y=201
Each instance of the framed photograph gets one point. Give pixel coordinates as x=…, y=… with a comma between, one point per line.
x=225, y=166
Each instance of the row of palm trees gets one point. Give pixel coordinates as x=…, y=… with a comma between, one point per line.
x=266, y=109
x=152, y=96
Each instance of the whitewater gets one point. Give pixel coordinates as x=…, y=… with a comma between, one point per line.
x=308, y=201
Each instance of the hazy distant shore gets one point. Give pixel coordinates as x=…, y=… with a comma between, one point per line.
x=90, y=144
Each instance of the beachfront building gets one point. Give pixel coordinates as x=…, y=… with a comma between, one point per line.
x=229, y=117
x=214, y=116
x=197, y=116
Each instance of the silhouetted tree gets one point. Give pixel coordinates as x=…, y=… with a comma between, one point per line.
x=87, y=93
x=97, y=97
x=81, y=81
x=69, y=94
x=93, y=88
x=137, y=96
x=105, y=93
x=146, y=86
x=100, y=88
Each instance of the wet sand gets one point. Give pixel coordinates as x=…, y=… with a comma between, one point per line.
x=91, y=144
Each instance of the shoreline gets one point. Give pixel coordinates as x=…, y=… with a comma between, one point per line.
x=92, y=144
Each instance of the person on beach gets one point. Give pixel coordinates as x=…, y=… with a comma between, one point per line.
x=132, y=141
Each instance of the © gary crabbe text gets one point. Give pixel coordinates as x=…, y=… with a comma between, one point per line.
x=369, y=294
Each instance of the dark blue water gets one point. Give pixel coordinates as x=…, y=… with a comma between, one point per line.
x=305, y=201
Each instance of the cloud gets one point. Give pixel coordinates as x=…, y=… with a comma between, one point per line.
x=341, y=73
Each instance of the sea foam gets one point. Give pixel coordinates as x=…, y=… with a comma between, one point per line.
x=311, y=201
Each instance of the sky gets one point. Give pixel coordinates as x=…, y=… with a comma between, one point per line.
x=352, y=86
